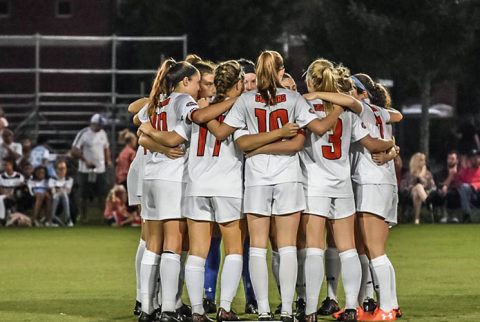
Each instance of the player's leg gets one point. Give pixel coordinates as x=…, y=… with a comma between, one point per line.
x=275, y=262
x=212, y=266
x=365, y=295
x=251, y=306
x=301, y=284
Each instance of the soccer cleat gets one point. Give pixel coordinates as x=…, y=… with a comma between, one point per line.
x=266, y=316
x=286, y=317
x=200, y=318
x=349, y=315
x=278, y=310
x=311, y=317
x=144, y=317
x=328, y=307
x=251, y=307
x=398, y=313
x=300, y=310
x=137, y=309
x=209, y=306
x=380, y=315
x=369, y=305
x=169, y=317
x=184, y=313
x=223, y=315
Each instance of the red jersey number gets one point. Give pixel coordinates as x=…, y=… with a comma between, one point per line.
x=202, y=140
x=159, y=121
x=334, y=151
x=379, y=124
x=274, y=118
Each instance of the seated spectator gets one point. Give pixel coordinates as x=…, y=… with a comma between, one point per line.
x=468, y=184
x=38, y=187
x=26, y=151
x=126, y=156
x=418, y=183
x=61, y=186
x=9, y=149
x=3, y=125
x=10, y=181
x=446, y=196
x=116, y=210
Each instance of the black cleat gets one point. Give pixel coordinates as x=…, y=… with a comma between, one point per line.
x=200, y=318
x=398, y=313
x=349, y=315
x=137, y=309
x=328, y=307
x=185, y=313
x=286, y=317
x=311, y=317
x=223, y=315
x=369, y=305
x=251, y=307
x=144, y=317
x=300, y=310
x=170, y=317
x=265, y=316
x=209, y=306
x=278, y=310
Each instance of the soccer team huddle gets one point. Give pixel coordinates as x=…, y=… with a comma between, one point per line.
x=235, y=145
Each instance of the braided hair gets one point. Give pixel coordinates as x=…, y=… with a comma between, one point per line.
x=227, y=74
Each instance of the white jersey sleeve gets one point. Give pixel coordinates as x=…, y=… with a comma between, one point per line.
x=236, y=117
x=303, y=112
x=359, y=130
x=143, y=114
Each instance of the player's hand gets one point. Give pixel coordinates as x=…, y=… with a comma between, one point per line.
x=379, y=158
x=289, y=130
x=146, y=128
x=175, y=153
x=203, y=102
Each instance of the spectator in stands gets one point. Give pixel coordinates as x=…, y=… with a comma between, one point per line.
x=468, y=184
x=3, y=125
x=418, y=182
x=61, y=186
x=10, y=180
x=126, y=156
x=116, y=209
x=38, y=187
x=92, y=149
x=9, y=149
x=26, y=150
x=447, y=194
x=40, y=155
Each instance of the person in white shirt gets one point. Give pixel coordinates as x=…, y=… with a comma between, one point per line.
x=38, y=188
x=61, y=186
x=9, y=149
x=92, y=149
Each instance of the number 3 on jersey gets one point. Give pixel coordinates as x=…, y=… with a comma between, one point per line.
x=274, y=117
x=334, y=151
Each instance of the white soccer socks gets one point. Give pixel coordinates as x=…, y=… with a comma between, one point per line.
x=288, y=276
x=301, y=287
x=383, y=281
x=276, y=268
x=313, y=277
x=230, y=279
x=194, y=278
x=148, y=279
x=332, y=271
x=351, y=276
x=366, y=287
x=138, y=262
x=169, y=274
x=259, y=276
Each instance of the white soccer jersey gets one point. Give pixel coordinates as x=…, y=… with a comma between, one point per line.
x=214, y=167
x=364, y=170
x=60, y=184
x=170, y=115
x=325, y=159
x=251, y=112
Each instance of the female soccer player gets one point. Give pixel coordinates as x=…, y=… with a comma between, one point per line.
x=171, y=98
x=272, y=184
x=375, y=195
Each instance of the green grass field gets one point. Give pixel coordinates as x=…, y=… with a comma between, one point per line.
x=87, y=273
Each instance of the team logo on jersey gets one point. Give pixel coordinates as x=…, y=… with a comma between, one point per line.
x=319, y=107
x=364, y=126
x=192, y=104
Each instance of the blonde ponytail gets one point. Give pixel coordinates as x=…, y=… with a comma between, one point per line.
x=269, y=63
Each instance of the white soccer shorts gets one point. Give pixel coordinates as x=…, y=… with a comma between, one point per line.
x=214, y=209
x=279, y=199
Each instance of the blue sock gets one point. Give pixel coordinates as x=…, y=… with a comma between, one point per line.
x=247, y=283
x=212, y=266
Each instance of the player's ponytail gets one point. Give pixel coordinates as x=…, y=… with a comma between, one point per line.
x=344, y=82
x=383, y=96
x=269, y=63
x=323, y=78
x=168, y=76
x=227, y=75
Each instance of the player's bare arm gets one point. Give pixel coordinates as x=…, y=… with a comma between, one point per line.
x=137, y=105
x=337, y=98
x=320, y=126
x=395, y=116
x=374, y=145
x=220, y=130
x=284, y=147
x=169, y=139
x=251, y=142
x=150, y=144
x=381, y=158
x=77, y=154
x=203, y=115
